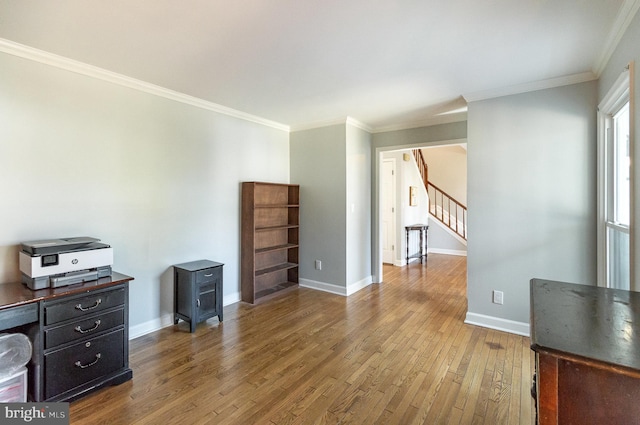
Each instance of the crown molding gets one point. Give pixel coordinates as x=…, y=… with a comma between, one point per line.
x=438, y=119
x=625, y=15
x=318, y=124
x=328, y=123
x=428, y=122
x=61, y=62
x=529, y=87
x=358, y=124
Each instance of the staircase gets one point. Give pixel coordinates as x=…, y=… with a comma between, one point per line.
x=442, y=206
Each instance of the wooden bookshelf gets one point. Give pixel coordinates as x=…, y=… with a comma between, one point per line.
x=270, y=236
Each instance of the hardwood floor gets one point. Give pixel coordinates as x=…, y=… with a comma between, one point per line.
x=392, y=353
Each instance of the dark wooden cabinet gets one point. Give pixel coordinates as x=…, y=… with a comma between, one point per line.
x=587, y=349
x=198, y=292
x=83, y=341
x=270, y=237
x=80, y=335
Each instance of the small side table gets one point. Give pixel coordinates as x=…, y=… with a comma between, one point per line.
x=197, y=292
x=421, y=250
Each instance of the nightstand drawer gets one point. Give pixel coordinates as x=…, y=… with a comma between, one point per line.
x=83, y=306
x=83, y=362
x=208, y=275
x=83, y=328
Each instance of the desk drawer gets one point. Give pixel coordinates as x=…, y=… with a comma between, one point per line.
x=83, y=328
x=83, y=306
x=18, y=316
x=83, y=362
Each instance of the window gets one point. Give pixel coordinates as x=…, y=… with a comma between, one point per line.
x=614, y=197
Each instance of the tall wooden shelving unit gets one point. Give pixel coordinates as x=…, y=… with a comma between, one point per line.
x=270, y=235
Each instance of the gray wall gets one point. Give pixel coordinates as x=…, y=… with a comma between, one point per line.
x=157, y=179
x=358, y=165
x=332, y=166
x=318, y=165
x=442, y=241
x=531, y=194
x=628, y=50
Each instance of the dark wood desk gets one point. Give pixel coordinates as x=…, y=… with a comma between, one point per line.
x=80, y=334
x=587, y=344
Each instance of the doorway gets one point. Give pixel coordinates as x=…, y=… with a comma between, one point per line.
x=404, y=213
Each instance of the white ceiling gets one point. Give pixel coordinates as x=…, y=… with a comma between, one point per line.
x=299, y=62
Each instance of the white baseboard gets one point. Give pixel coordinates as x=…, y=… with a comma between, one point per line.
x=356, y=286
x=150, y=326
x=447, y=251
x=497, y=323
x=231, y=299
x=167, y=319
x=336, y=289
x=403, y=262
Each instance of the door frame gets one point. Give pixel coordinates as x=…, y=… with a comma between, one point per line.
x=376, y=259
x=393, y=202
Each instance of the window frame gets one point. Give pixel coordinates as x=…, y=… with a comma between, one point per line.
x=617, y=97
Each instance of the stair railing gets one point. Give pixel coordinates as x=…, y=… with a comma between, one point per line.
x=444, y=207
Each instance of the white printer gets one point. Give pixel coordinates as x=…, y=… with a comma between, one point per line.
x=59, y=262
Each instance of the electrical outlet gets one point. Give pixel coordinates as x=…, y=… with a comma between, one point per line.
x=318, y=265
x=498, y=297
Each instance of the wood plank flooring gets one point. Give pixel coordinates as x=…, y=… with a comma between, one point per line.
x=393, y=353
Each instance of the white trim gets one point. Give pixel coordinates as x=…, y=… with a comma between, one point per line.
x=328, y=123
x=625, y=15
x=166, y=320
x=395, y=208
x=618, y=94
x=335, y=289
x=529, y=87
x=618, y=90
x=438, y=119
x=601, y=261
x=231, y=299
x=358, y=124
x=81, y=68
x=497, y=323
x=356, y=286
x=428, y=122
x=323, y=286
x=150, y=326
x=457, y=252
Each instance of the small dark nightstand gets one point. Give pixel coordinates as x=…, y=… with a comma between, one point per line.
x=197, y=291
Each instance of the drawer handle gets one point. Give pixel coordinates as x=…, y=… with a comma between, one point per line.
x=208, y=275
x=84, y=331
x=84, y=366
x=98, y=302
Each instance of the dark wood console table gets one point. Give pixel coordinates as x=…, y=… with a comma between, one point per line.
x=587, y=345
x=80, y=335
x=421, y=250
